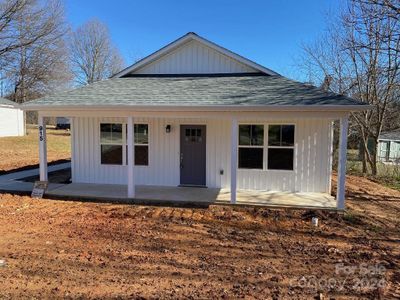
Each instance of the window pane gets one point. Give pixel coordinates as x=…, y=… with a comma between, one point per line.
x=280, y=159
x=244, y=135
x=141, y=155
x=274, y=135
x=257, y=135
x=251, y=158
x=141, y=134
x=111, y=155
x=111, y=133
x=116, y=133
x=287, y=135
x=105, y=133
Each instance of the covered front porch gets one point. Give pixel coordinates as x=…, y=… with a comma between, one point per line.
x=192, y=196
x=306, y=185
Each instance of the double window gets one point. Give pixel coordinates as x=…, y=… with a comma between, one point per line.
x=279, y=149
x=113, y=144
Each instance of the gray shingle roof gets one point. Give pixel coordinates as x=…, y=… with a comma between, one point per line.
x=195, y=91
x=393, y=135
x=4, y=101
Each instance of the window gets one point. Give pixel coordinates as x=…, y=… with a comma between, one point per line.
x=141, y=145
x=193, y=135
x=251, y=143
x=111, y=144
x=280, y=147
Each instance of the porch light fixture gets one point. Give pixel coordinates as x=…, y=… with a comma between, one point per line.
x=168, y=128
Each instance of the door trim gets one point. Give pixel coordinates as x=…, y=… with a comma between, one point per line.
x=203, y=125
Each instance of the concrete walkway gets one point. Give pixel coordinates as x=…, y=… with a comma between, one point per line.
x=12, y=181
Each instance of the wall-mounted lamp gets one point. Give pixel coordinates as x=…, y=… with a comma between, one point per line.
x=168, y=128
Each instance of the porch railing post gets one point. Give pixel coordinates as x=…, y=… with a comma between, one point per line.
x=341, y=181
x=42, y=149
x=131, y=157
x=234, y=154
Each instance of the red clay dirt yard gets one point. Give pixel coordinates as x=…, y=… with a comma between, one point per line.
x=67, y=249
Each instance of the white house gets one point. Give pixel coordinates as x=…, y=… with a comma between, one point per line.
x=196, y=114
x=12, y=122
x=389, y=147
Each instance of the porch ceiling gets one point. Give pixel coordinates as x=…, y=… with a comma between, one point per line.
x=192, y=195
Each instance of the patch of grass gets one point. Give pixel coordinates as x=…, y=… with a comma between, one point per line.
x=388, y=174
x=352, y=218
x=24, y=150
x=375, y=228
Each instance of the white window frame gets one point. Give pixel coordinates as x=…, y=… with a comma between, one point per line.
x=148, y=144
x=124, y=142
x=267, y=147
x=251, y=146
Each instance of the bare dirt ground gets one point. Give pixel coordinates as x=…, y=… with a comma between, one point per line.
x=18, y=152
x=61, y=249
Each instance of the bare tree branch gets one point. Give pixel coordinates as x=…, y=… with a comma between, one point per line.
x=93, y=56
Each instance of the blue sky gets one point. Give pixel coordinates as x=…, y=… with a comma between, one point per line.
x=270, y=32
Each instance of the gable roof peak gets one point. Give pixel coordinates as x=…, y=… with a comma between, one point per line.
x=183, y=40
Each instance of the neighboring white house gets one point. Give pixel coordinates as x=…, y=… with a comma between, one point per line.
x=389, y=147
x=196, y=114
x=12, y=121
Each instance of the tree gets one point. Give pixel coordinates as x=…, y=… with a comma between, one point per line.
x=93, y=55
x=360, y=56
x=40, y=66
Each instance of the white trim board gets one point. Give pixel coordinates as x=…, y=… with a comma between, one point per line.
x=203, y=108
x=241, y=116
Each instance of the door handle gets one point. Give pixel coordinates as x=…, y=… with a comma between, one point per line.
x=181, y=161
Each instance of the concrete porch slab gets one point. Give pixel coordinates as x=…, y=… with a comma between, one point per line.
x=194, y=195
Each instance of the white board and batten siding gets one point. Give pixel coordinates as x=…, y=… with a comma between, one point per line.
x=12, y=122
x=194, y=58
x=312, y=163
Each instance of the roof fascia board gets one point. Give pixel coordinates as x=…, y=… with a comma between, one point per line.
x=181, y=41
x=9, y=105
x=228, y=108
x=388, y=140
x=240, y=115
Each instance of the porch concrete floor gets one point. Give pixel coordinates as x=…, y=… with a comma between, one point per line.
x=193, y=195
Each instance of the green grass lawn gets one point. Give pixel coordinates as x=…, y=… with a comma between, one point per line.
x=17, y=152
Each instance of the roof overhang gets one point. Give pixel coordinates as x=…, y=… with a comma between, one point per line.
x=214, y=108
x=181, y=41
x=10, y=106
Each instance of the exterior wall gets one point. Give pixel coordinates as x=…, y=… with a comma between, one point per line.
x=313, y=140
x=194, y=58
x=12, y=122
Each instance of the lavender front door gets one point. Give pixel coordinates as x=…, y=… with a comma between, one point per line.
x=193, y=155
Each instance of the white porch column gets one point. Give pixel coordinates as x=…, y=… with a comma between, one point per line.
x=234, y=154
x=131, y=157
x=42, y=149
x=340, y=195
